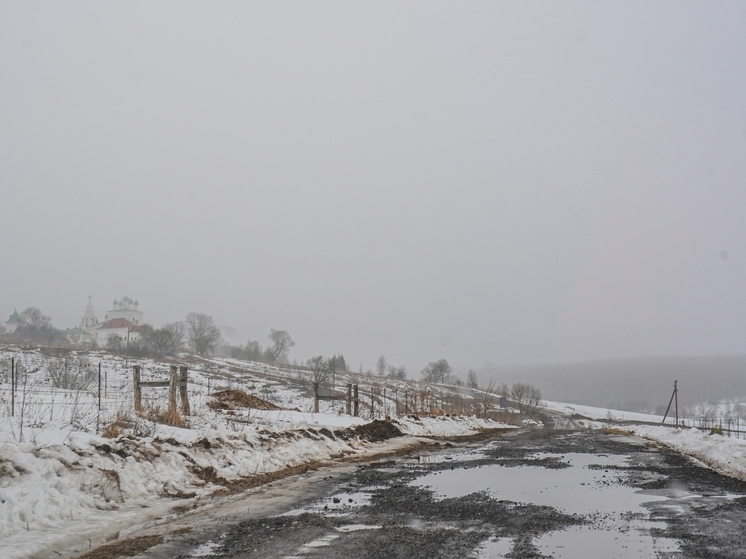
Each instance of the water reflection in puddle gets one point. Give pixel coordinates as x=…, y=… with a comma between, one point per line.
x=339, y=504
x=440, y=457
x=618, y=526
x=205, y=550
x=576, y=489
x=589, y=541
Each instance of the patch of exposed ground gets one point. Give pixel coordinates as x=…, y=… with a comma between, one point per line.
x=123, y=548
x=238, y=399
x=375, y=431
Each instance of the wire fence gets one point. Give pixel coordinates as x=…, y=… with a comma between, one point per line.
x=726, y=426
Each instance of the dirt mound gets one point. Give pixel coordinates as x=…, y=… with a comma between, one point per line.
x=235, y=399
x=376, y=430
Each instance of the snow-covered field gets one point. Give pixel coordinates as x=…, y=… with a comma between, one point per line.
x=722, y=453
x=62, y=480
x=601, y=413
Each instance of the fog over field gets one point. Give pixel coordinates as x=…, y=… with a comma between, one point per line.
x=496, y=184
x=642, y=384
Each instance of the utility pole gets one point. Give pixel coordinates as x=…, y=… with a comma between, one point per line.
x=334, y=374
x=674, y=397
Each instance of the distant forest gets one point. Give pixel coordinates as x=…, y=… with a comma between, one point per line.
x=638, y=384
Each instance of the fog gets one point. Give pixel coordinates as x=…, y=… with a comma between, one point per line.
x=491, y=183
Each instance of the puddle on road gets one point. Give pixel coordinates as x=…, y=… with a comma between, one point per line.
x=311, y=547
x=588, y=541
x=339, y=504
x=618, y=528
x=440, y=457
x=575, y=490
x=204, y=550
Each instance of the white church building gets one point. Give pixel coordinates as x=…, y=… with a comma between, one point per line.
x=124, y=320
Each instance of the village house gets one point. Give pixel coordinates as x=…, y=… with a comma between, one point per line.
x=13, y=323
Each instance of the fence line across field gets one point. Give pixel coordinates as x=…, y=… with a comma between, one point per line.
x=113, y=388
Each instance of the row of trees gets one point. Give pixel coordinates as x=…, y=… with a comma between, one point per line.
x=276, y=351
x=324, y=368
x=384, y=368
x=199, y=333
x=36, y=327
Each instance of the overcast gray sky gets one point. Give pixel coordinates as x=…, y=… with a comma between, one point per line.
x=476, y=181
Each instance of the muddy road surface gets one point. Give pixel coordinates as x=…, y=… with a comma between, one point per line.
x=532, y=494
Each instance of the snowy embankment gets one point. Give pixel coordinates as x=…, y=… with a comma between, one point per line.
x=602, y=413
x=726, y=455
x=91, y=483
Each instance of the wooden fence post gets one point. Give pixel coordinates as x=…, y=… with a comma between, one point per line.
x=138, y=390
x=316, y=397
x=172, y=389
x=355, y=400
x=348, y=395
x=12, y=387
x=183, y=392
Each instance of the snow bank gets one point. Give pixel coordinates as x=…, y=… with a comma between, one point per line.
x=601, y=413
x=47, y=491
x=441, y=426
x=726, y=455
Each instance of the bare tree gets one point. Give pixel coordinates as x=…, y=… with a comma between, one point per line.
x=72, y=373
x=281, y=344
x=340, y=363
x=35, y=322
x=471, y=379
x=526, y=397
x=321, y=368
x=437, y=371
x=397, y=372
x=163, y=341
x=253, y=351
x=381, y=366
x=114, y=344
x=203, y=335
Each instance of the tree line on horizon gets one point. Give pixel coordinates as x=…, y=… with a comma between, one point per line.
x=200, y=334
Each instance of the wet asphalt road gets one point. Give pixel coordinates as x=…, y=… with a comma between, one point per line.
x=536, y=493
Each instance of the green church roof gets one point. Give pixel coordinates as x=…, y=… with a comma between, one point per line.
x=15, y=318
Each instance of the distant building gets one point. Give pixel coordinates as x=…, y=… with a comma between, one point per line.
x=78, y=336
x=122, y=328
x=89, y=317
x=13, y=323
x=126, y=308
x=124, y=320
